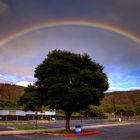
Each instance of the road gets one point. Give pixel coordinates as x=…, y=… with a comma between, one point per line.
x=5, y=128
x=125, y=132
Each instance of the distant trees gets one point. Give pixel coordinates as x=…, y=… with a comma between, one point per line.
x=6, y=104
x=30, y=100
x=137, y=108
x=95, y=111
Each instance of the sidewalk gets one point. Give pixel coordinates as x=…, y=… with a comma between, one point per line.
x=49, y=131
x=20, y=132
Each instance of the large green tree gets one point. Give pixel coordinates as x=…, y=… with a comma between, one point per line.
x=70, y=82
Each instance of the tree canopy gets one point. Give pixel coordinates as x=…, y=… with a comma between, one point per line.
x=70, y=82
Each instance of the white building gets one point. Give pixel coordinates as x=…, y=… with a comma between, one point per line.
x=25, y=113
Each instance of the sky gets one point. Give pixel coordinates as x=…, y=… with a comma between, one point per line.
x=107, y=30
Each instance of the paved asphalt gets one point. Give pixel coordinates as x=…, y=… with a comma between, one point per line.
x=57, y=124
x=125, y=132
x=5, y=128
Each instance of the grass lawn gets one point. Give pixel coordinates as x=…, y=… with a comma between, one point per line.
x=30, y=127
x=14, y=122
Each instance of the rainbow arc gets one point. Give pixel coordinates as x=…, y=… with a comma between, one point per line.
x=51, y=24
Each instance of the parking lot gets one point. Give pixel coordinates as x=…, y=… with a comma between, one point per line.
x=123, y=132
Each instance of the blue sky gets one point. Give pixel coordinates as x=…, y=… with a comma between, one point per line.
x=118, y=54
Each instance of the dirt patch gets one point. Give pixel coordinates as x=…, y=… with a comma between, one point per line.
x=59, y=133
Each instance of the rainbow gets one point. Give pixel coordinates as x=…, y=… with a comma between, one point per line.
x=69, y=23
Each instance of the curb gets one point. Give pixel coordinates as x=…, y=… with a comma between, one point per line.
x=20, y=132
x=84, y=134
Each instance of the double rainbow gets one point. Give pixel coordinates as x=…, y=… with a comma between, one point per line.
x=69, y=23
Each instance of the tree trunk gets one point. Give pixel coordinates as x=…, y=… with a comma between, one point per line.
x=114, y=108
x=68, y=122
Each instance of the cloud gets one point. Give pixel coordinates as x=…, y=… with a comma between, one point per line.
x=122, y=89
x=3, y=7
x=123, y=81
x=128, y=2
x=24, y=83
x=13, y=78
x=3, y=79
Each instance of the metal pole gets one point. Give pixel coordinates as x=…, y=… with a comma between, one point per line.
x=36, y=119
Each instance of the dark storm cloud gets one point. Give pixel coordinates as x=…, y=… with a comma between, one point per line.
x=128, y=2
x=4, y=9
x=121, y=13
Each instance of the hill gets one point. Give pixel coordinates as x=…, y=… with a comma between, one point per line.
x=122, y=97
x=13, y=92
x=10, y=92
